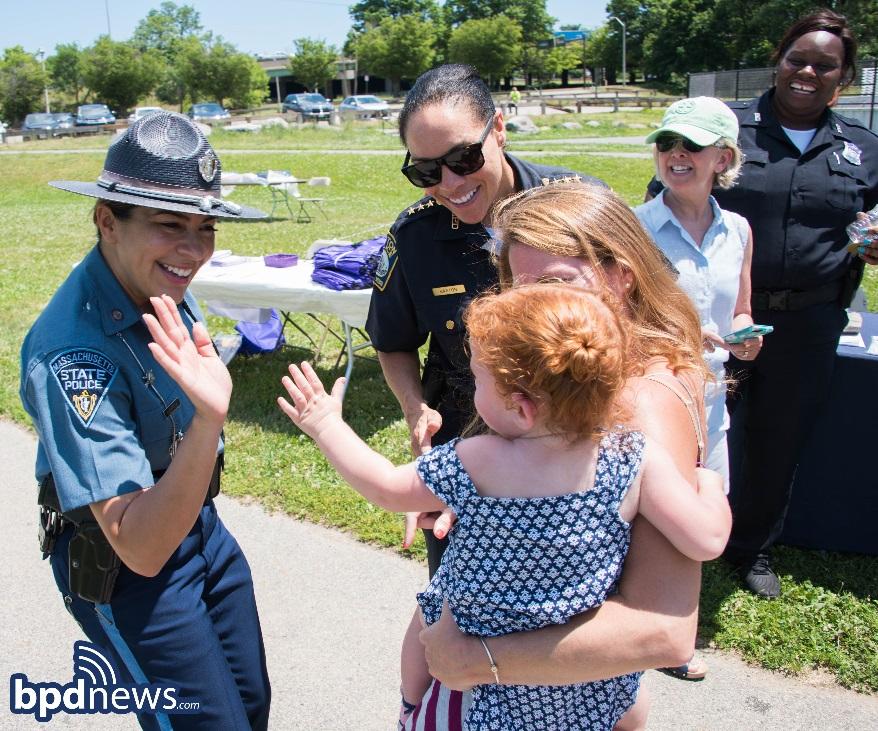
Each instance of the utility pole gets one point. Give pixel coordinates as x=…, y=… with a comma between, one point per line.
x=624, y=74
x=41, y=54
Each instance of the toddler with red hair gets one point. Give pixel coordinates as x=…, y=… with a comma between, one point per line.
x=544, y=498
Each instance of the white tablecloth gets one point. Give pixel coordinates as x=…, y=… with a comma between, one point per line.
x=252, y=284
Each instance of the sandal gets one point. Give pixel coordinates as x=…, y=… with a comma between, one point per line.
x=695, y=669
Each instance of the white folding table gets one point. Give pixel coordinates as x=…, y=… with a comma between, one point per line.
x=251, y=284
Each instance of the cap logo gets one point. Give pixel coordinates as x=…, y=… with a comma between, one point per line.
x=207, y=166
x=683, y=107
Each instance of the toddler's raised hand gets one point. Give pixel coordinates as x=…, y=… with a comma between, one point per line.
x=312, y=409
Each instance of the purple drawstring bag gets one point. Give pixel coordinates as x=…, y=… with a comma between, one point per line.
x=261, y=337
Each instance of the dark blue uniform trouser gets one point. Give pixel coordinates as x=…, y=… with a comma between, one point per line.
x=193, y=627
x=773, y=408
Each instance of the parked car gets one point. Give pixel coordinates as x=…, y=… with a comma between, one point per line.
x=310, y=106
x=140, y=112
x=91, y=114
x=39, y=121
x=209, y=113
x=65, y=120
x=363, y=106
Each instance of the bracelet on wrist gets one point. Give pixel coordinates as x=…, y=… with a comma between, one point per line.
x=494, y=668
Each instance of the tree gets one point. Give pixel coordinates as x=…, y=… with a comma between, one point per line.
x=492, y=45
x=313, y=62
x=170, y=32
x=118, y=74
x=563, y=58
x=531, y=15
x=220, y=72
x=256, y=90
x=399, y=48
x=369, y=13
x=22, y=81
x=162, y=29
x=597, y=51
x=65, y=69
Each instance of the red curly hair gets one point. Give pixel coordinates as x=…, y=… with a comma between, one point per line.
x=564, y=347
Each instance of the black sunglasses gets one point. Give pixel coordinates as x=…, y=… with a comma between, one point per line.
x=666, y=143
x=461, y=161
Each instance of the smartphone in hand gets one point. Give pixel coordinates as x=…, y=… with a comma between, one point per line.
x=747, y=333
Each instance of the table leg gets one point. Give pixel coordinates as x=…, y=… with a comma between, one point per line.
x=349, y=346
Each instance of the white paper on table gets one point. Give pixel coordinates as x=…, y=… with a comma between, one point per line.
x=855, y=341
x=240, y=312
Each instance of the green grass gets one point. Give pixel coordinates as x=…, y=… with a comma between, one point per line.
x=828, y=615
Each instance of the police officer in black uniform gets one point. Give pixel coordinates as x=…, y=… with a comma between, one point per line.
x=438, y=256
x=438, y=253
x=807, y=172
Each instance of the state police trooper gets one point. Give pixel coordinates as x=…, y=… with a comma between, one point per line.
x=129, y=460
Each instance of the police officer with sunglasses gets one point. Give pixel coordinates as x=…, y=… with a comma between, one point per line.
x=438, y=256
x=438, y=253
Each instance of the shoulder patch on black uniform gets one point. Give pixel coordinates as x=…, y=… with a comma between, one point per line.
x=84, y=376
x=386, y=263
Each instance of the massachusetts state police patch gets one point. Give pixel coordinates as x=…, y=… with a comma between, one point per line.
x=84, y=376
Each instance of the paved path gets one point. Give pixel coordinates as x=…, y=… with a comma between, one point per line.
x=333, y=612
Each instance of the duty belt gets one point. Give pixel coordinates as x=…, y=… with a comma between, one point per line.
x=792, y=299
x=53, y=520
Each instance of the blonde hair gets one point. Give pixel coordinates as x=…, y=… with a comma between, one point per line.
x=563, y=347
x=594, y=224
x=726, y=179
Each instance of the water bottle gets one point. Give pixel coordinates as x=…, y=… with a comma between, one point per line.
x=858, y=231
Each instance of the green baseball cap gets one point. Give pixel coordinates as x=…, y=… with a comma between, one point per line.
x=702, y=119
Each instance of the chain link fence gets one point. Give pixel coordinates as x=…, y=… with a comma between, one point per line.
x=858, y=100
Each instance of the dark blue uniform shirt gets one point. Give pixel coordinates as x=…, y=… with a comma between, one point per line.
x=798, y=204
x=432, y=266
x=94, y=391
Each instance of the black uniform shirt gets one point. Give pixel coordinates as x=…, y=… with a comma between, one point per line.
x=433, y=264
x=798, y=204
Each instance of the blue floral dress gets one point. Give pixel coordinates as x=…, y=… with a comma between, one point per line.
x=517, y=564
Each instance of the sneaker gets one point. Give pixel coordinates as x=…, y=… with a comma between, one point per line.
x=760, y=579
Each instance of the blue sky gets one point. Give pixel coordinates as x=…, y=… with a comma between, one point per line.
x=254, y=26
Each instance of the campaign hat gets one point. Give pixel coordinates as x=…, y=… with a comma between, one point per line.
x=163, y=161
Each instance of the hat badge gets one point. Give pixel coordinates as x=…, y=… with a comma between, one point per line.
x=207, y=166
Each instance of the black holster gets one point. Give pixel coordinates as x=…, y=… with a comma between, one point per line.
x=433, y=382
x=93, y=564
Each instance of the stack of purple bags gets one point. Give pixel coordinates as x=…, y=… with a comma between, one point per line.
x=348, y=266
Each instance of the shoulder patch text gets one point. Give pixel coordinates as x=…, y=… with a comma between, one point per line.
x=84, y=376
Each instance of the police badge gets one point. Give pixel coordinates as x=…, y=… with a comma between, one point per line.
x=207, y=166
x=852, y=153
